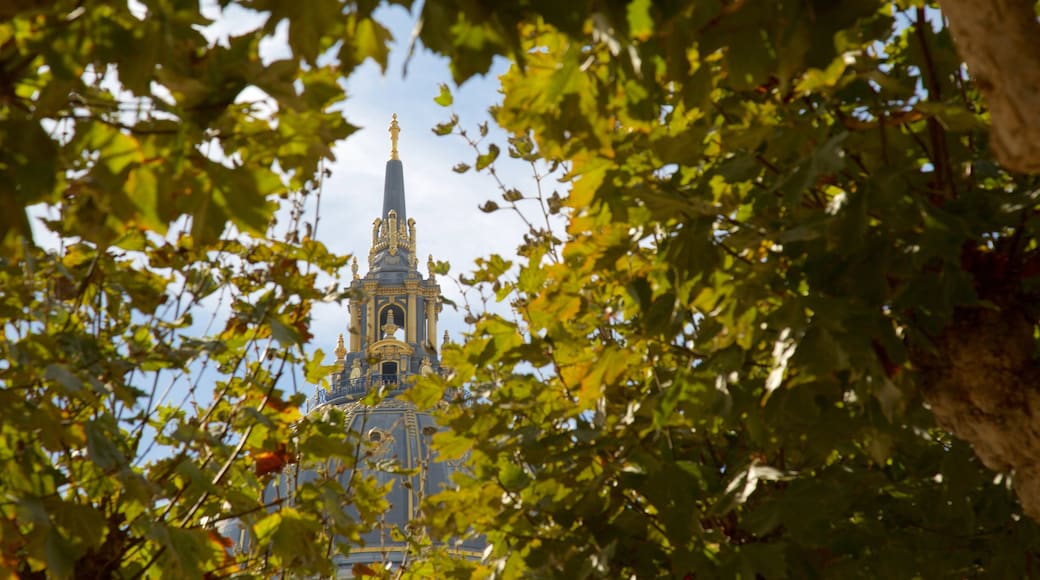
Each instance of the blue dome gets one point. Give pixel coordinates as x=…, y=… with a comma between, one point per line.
x=395, y=443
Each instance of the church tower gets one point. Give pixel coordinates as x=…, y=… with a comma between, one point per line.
x=392, y=324
x=394, y=309
x=392, y=332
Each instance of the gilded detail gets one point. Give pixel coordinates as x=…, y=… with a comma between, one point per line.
x=341, y=350
x=395, y=131
x=391, y=226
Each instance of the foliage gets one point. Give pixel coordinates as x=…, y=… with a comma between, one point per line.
x=786, y=243
x=156, y=164
x=783, y=229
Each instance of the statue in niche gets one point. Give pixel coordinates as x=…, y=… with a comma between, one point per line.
x=425, y=368
x=355, y=369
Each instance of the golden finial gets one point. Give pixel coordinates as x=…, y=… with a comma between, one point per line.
x=341, y=351
x=395, y=130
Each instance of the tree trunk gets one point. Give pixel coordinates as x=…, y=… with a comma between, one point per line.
x=999, y=40
x=981, y=378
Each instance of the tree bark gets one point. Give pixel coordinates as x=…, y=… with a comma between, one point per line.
x=981, y=378
x=999, y=40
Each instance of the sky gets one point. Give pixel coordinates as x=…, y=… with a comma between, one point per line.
x=444, y=204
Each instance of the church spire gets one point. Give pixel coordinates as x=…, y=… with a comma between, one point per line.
x=393, y=187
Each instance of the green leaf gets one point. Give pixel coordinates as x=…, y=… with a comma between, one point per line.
x=450, y=445
x=285, y=333
x=308, y=23
x=64, y=377
x=314, y=371
x=761, y=560
x=83, y=525
x=372, y=40
x=486, y=159
x=444, y=99
x=512, y=477
x=60, y=555
x=290, y=534
x=185, y=552
x=101, y=449
x=424, y=393
x=640, y=24
x=447, y=128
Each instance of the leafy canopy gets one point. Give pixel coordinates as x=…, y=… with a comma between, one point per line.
x=787, y=251
x=158, y=261
x=785, y=234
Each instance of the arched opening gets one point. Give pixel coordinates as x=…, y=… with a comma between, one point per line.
x=391, y=319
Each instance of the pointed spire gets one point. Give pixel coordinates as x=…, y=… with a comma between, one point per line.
x=395, y=130
x=393, y=187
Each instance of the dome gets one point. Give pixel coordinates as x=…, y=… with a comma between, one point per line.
x=395, y=443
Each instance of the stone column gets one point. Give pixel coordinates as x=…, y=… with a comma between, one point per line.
x=410, y=316
x=431, y=320
x=355, y=326
x=370, y=326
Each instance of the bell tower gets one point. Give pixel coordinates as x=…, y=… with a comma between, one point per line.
x=392, y=332
x=392, y=328
x=393, y=315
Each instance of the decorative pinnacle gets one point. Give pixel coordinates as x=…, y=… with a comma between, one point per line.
x=391, y=325
x=341, y=350
x=395, y=130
